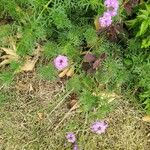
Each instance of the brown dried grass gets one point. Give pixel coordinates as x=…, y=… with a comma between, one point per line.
x=36, y=107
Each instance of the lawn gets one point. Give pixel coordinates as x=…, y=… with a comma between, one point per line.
x=35, y=116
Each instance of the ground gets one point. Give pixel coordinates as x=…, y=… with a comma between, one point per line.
x=36, y=116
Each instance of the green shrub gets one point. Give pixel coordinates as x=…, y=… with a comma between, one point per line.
x=141, y=25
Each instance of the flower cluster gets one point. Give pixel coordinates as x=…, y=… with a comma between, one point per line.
x=112, y=8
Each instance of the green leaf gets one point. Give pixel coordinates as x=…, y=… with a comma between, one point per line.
x=60, y=18
x=128, y=61
x=142, y=17
x=145, y=12
x=143, y=27
x=90, y=36
x=146, y=43
x=131, y=23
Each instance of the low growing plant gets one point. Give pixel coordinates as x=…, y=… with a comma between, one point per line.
x=141, y=25
x=61, y=41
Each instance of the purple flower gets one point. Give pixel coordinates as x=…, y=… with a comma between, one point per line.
x=71, y=137
x=112, y=7
x=61, y=62
x=111, y=4
x=106, y=20
x=75, y=147
x=99, y=127
x=112, y=13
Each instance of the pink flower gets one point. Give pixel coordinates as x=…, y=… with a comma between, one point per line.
x=106, y=20
x=61, y=62
x=111, y=4
x=71, y=137
x=112, y=7
x=112, y=12
x=99, y=127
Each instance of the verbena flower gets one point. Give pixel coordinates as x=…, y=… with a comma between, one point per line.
x=112, y=13
x=105, y=20
x=75, y=147
x=61, y=62
x=99, y=127
x=111, y=4
x=71, y=137
x=112, y=8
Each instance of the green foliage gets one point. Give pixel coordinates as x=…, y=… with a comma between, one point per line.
x=144, y=82
x=88, y=101
x=145, y=98
x=4, y=32
x=31, y=34
x=90, y=36
x=60, y=18
x=141, y=25
x=6, y=77
x=47, y=72
x=74, y=83
x=50, y=49
x=138, y=65
x=137, y=60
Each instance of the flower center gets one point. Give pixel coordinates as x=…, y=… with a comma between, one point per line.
x=61, y=61
x=99, y=128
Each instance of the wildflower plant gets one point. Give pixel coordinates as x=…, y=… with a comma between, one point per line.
x=112, y=8
x=72, y=48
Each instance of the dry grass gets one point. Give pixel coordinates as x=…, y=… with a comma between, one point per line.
x=29, y=118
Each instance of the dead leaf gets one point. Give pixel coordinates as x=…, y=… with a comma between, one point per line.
x=63, y=73
x=40, y=116
x=31, y=61
x=31, y=87
x=72, y=100
x=109, y=96
x=99, y=61
x=72, y=103
x=89, y=57
x=86, y=66
x=29, y=64
x=70, y=72
x=11, y=54
x=146, y=118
